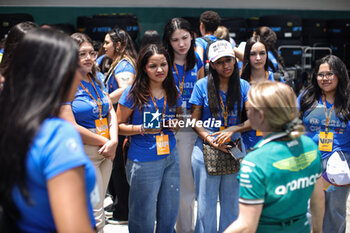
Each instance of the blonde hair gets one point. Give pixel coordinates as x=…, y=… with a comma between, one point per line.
x=279, y=104
x=222, y=33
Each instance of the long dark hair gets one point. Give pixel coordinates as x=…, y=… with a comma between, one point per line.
x=247, y=67
x=140, y=88
x=149, y=37
x=15, y=35
x=313, y=92
x=39, y=78
x=170, y=27
x=233, y=92
x=270, y=39
x=126, y=49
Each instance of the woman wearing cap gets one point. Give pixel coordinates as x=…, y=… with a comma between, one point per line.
x=279, y=176
x=220, y=95
x=94, y=117
x=325, y=111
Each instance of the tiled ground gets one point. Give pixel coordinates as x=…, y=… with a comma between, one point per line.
x=124, y=228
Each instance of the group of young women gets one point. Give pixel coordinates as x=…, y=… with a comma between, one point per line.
x=54, y=180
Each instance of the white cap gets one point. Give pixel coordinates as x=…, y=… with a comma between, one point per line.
x=219, y=49
x=337, y=170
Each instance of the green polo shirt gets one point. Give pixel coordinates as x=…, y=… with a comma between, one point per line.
x=281, y=175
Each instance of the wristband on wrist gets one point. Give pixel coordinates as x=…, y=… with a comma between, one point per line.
x=142, y=131
x=206, y=138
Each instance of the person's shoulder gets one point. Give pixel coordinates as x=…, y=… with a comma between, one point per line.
x=199, y=39
x=212, y=37
x=57, y=124
x=127, y=89
x=251, y=161
x=244, y=82
x=126, y=98
x=203, y=81
x=100, y=76
x=305, y=140
x=245, y=86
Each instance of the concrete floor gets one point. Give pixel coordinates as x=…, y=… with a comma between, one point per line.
x=124, y=228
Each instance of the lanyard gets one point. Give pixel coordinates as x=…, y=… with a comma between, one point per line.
x=328, y=116
x=266, y=76
x=224, y=111
x=181, y=84
x=272, y=138
x=98, y=101
x=155, y=104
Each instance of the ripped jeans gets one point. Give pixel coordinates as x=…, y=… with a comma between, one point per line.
x=154, y=194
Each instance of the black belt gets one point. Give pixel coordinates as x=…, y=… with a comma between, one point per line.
x=284, y=223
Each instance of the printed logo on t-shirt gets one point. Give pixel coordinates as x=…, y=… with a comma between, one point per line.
x=151, y=120
x=295, y=164
x=301, y=183
x=314, y=121
x=72, y=145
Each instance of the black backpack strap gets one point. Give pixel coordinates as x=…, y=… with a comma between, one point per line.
x=205, y=58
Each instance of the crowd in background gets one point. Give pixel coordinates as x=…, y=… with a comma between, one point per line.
x=75, y=126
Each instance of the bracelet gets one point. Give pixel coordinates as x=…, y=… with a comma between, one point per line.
x=206, y=138
x=142, y=131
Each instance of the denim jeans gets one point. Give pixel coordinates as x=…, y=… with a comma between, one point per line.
x=208, y=190
x=154, y=194
x=335, y=214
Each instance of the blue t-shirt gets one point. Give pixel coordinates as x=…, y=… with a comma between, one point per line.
x=200, y=42
x=250, y=138
x=85, y=109
x=123, y=66
x=315, y=122
x=200, y=97
x=273, y=60
x=144, y=148
x=189, y=81
x=99, y=59
x=56, y=149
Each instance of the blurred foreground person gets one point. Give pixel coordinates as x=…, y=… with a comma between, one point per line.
x=47, y=181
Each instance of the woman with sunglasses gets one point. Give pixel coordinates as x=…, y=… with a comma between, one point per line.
x=93, y=115
x=325, y=111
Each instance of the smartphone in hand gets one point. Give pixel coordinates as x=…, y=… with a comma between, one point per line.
x=236, y=153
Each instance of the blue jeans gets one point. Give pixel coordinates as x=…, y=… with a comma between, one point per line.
x=208, y=190
x=154, y=194
x=335, y=214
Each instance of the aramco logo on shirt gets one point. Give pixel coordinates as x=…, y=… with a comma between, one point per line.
x=301, y=183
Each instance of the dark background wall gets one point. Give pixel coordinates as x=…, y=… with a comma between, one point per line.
x=156, y=17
